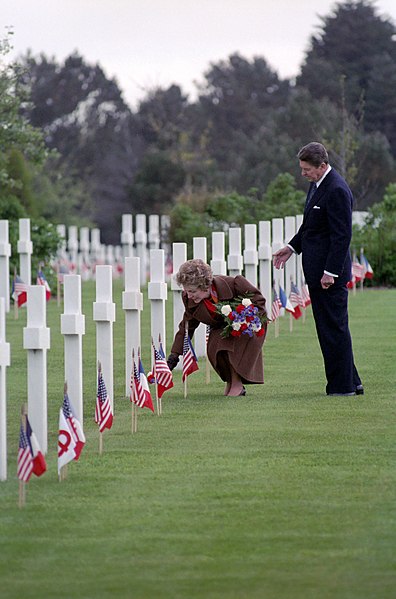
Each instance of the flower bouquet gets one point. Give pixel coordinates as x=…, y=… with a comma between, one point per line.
x=241, y=317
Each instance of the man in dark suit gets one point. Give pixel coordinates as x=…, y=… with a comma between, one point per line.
x=323, y=239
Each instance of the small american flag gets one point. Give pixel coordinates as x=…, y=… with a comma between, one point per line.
x=276, y=305
x=41, y=280
x=19, y=291
x=74, y=426
x=140, y=395
x=62, y=271
x=296, y=300
x=103, y=412
x=305, y=295
x=25, y=458
x=190, y=362
x=357, y=271
x=163, y=375
x=368, y=271
x=38, y=460
x=295, y=296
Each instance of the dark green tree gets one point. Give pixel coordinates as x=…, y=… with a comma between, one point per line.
x=22, y=155
x=378, y=238
x=84, y=117
x=356, y=43
x=364, y=159
x=236, y=110
x=161, y=118
x=156, y=184
x=282, y=198
x=21, y=145
x=186, y=224
x=20, y=172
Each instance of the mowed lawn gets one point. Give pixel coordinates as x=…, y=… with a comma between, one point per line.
x=284, y=493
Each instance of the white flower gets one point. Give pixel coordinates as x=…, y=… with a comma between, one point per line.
x=246, y=302
x=255, y=327
x=236, y=326
x=226, y=310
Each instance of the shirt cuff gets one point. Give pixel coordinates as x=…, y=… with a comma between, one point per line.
x=326, y=272
x=291, y=247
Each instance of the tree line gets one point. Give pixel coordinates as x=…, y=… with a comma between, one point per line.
x=227, y=157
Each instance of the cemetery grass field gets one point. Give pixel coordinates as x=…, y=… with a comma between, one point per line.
x=285, y=493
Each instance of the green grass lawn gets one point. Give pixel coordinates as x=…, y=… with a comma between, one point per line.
x=285, y=493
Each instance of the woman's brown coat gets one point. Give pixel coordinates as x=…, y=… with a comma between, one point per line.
x=244, y=353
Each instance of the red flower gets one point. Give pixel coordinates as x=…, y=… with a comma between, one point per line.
x=240, y=308
x=236, y=333
x=261, y=332
x=244, y=326
x=231, y=316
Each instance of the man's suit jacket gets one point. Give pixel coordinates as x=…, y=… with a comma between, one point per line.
x=325, y=234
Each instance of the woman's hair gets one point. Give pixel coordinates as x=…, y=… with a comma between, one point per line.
x=195, y=273
x=314, y=153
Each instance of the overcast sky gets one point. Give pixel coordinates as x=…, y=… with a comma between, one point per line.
x=149, y=43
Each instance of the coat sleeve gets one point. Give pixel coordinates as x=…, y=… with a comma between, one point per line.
x=187, y=321
x=295, y=242
x=339, y=210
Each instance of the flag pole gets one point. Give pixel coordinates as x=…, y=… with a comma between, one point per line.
x=354, y=276
x=207, y=363
x=63, y=471
x=290, y=322
x=22, y=484
x=135, y=422
x=100, y=434
x=154, y=371
x=160, y=398
x=133, y=393
x=185, y=378
x=22, y=494
x=16, y=313
x=57, y=285
x=277, y=328
x=361, y=262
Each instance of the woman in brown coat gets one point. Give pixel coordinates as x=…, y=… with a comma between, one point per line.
x=237, y=360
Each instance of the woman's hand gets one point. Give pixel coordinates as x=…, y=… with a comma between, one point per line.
x=172, y=361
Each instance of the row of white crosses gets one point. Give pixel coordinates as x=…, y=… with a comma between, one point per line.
x=248, y=263
x=36, y=338
x=83, y=250
x=25, y=250
x=83, y=247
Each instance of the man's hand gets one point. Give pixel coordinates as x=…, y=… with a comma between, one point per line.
x=281, y=256
x=326, y=281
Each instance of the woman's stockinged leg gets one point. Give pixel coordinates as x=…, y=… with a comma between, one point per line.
x=236, y=386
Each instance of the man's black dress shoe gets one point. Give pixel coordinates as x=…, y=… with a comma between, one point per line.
x=360, y=390
x=243, y=392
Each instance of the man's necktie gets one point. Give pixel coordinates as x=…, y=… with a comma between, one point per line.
x=311, y=192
